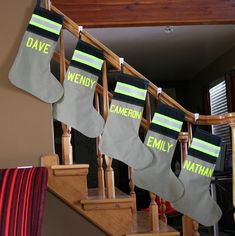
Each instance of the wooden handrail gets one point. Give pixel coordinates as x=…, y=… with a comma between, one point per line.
x=113, y=59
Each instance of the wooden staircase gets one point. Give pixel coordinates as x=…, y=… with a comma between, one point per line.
x=115, y=216
x=108, y=208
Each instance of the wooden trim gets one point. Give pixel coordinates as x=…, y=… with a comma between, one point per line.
x=70, y=170
x=108, y=13
x=156, y=234
x=67, y=167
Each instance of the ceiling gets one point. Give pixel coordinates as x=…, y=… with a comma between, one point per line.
x=162, y=56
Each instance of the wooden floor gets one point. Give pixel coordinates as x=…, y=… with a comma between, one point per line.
x=94, y=193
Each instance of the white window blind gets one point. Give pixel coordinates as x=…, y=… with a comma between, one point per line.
x=219, y=106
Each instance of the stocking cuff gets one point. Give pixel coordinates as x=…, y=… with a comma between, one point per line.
x=131, y=89
x=205, y=146
x=45, y=23
x=88, y=58
x=167, y=121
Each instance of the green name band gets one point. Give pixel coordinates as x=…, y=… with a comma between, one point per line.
x=130, y=90
x=205, y=147
x=87, y=59
x=167, y=122
x=46, y=24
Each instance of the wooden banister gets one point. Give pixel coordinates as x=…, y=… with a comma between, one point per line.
x=113, y=59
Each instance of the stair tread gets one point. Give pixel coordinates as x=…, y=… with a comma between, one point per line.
x=95, y=194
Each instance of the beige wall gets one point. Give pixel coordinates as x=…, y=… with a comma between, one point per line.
x=62, y=221
x=26, y=123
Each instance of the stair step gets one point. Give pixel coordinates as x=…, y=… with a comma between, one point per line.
x=97, y=200
x=141, y=226
x=113, y=216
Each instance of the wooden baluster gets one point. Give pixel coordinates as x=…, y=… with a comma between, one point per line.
x=190, y=133
x=67, y=156
x=154, y=220
x=163, y=216
x=232, y=126
x=195, y=228
x=183, y=139
x=190, y=226
x=99, y=155
x=195, y=225
x=132, y=187
x=109, y=174
x=148, y=109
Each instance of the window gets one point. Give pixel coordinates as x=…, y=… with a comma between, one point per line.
x=219, y=106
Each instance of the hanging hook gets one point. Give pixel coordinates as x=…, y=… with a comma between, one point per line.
x=121, y=62
x=80, y=29
x=159, y=91
x=196, y=116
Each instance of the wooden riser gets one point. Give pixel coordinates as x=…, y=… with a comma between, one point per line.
x=68, y=183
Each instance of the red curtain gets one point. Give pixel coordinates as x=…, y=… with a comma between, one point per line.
x=22, y=197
